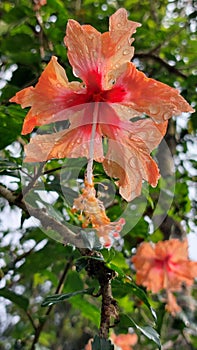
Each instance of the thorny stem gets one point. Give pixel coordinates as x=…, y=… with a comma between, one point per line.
x=40, y=327
x=91, y=150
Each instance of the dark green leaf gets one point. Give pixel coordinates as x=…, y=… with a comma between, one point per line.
x=58, y=298
x=149, y=332
x=122, y=288
x=17, y=299
x=6, y=165
x=101, y=344
x=11, y=124
x=116, y=268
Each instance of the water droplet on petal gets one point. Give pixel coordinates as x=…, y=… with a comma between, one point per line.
x=94, y=53
x=119, y=47
x=119, y=25
x=166, y=115
x=154, y=109
x=112, y=81
x=91, y=36
x=125, y=52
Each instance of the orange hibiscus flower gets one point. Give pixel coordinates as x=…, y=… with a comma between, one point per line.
x=113, y=92
x=165, y=265
x=124, y=341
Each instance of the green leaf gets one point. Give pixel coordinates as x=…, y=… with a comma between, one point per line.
x=4, y=27
x=116, y=269
x=58, y=298
x=149, y=332
x=142, y=296
x=11, y=124
x=17, y=299
x=87, y=309
x=119, y=286
x=101, y=344
x=6, y=165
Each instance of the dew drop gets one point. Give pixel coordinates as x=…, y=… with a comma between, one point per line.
x=119, y=25
x=112, y=81
x=125, y=52
x=91, y=36
x=58, y=85
x=119, y=47
x=166, y=116
x=154, y=109
x=94, y=53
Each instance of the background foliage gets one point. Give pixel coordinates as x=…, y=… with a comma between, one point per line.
x=34, y=266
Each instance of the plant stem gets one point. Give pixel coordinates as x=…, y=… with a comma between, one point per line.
x=47, y=221
x=109, y=307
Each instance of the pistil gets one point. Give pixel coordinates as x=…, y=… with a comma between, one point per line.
x=91, y=149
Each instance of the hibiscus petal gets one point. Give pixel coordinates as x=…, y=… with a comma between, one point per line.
x=178, y=249
x=72, y=143
x=151, y=97
x=162, y=267
x=148, y=274
x=129, y=161
x=182, y=273
x=116, y=44
x=124, y=340
x=91, y=53
x=51, y=95
x=150, y=132
x=84, y=49
x=172, y=305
